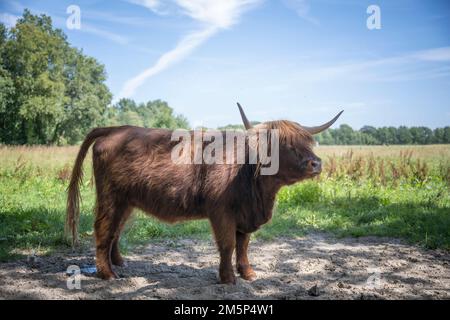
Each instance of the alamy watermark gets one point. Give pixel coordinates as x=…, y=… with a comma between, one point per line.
x=374, y=281
x=374, y=20
x=73, y=22
x=74, y=277
x=259, y=147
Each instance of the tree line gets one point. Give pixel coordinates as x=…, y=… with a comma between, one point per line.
x=52, y=93
x=368, y=135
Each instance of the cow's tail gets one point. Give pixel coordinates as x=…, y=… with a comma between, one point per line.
x=73, y=197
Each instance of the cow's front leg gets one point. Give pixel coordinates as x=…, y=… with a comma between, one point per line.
x=242, y=264
x=225, y=234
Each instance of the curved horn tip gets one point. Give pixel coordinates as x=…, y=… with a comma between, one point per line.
x=247, y=124
x=323, y=127
x=339, y=114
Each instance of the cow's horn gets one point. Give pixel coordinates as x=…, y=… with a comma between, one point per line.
x=318, y=129
x=247, y=124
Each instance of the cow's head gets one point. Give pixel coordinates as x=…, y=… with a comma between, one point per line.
x=297, y=160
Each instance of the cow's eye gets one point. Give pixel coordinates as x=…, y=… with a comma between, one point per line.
x=293, y=151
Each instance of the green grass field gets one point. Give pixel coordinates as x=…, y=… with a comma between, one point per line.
x=398, y=191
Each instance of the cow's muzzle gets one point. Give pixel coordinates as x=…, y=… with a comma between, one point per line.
x=313, y=166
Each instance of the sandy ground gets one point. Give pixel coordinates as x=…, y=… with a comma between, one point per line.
x=317, y=266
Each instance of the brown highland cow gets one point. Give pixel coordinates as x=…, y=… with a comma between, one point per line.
x=133, y=169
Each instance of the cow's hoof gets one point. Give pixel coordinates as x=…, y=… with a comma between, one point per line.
x=118, y=261
x=248, y=274
x=107, y=275
x=228, y=279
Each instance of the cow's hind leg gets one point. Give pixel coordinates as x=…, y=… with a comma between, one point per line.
x=107, y=221
x=116, y=257
x=243, y=265
x=225, y=234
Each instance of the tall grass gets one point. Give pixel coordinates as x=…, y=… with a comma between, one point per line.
x=382, y=191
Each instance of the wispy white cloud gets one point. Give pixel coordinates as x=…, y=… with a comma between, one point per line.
x=184, y=47
x=213, y=15
x=219, y=13
x=91, y=29
x=9, y=20
x=114, y=37
x=423, y=64
x=303, y=9
x=150, y=4
x=154, y=5
x=127, y=20
x=160, y=7
x=438, y=54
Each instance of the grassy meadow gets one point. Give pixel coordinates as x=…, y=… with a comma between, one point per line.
x=396, y=191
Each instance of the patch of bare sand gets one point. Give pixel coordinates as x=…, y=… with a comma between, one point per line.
x=349, y=268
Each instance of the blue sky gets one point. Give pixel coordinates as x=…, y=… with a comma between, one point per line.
x=300, y=60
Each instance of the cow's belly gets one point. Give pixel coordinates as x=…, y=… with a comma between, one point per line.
x=172, y=215
x=169, y=208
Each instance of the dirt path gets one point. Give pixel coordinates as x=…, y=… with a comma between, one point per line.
x=365, y=268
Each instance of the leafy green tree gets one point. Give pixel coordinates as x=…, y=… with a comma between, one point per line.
x=415, y=134
x=161, y=115
x=428, y=136
x=33, y=54
x=325, y=138
x=51, y=93
x=344, y=135
x=404, y=135
x=369, y=130
x=88, y=97
x=367, y=139
x=392, y=135
x=422, y=135
x=438, y=135
x=383, y=135
x=7, y=127
x=153, y=114
x=125, y=105
x=131, y=118
x=446, y=138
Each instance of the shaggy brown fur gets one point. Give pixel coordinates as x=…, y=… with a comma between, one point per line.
x=133, y=169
